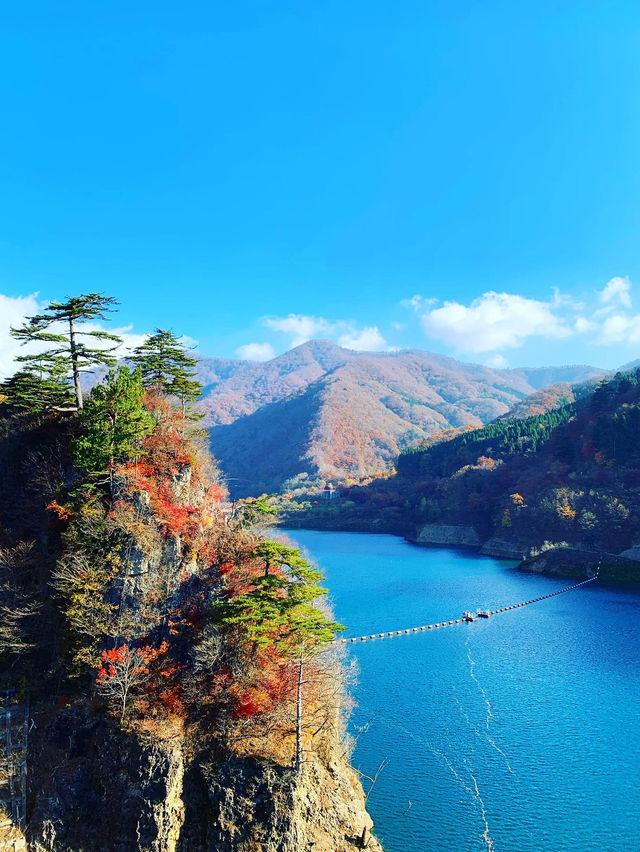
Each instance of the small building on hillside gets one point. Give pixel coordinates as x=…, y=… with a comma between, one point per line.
x=329, y=492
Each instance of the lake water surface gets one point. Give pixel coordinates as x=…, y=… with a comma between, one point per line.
x=519, y=733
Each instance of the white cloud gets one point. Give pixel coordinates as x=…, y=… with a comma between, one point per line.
x=12, y=313
x=493, y=321
x=130, y=339
x=620, y=328
x=582, y=325
x=366, y=340
x=498, y=362
x=303, y=328
x=564, y=300
x=256, y=352
x=614, y=324
x=418, y=303
x=616, y=290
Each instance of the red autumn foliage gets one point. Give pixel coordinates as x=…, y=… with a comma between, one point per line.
x=171, y=700
x=142, y=658
x=214, y=493
x=166, y=454
x=63, y=513
x=247, y=705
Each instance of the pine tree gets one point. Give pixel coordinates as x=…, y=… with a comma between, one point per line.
x=186, y=390
x=278, y=608
x=71, y=353
x=113, y=424
x=40, y=387
x=165, y=365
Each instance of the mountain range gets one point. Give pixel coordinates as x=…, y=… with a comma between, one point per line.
x=323, y=412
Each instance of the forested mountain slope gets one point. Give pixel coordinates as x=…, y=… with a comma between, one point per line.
x=235, y=388
x=324, y=412
x=568, y=477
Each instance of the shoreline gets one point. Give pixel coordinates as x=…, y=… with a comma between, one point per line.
x=565, y=562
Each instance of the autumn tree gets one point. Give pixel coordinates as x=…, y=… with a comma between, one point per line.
x=16, y=606
x=249, y=512
x=123, y=669
x=186, y=390
x=113, y=424
x=165, y=365
x=63, y=324
x=84, y=576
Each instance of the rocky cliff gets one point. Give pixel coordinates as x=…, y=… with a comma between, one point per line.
x=95, y=788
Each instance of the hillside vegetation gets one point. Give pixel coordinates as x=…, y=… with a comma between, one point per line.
x=320, y=412
x=569, y=477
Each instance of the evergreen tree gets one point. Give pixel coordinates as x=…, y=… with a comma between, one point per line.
x=165, y=365
x=71, y=353
x=41, y=387
x=186, y=390
x=278, y=608
x=113, y=424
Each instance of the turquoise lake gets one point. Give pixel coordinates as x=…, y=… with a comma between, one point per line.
x=518, y=733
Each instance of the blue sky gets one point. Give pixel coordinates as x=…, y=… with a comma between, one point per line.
x=251, y=174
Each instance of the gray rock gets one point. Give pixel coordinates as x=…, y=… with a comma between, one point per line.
x=448, y=534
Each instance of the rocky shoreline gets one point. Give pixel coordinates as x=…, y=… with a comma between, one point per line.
x=558, y=561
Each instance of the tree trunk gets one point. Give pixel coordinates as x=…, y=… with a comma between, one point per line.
x=124, y=691
x=299, y=751
x=74, y=363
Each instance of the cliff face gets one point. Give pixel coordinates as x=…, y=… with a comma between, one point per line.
x=253, y=805
x=95, y=788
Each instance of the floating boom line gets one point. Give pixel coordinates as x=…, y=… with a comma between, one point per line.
x=409, y=630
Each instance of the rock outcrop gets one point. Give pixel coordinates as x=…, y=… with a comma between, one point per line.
x=503, y=548
x=95, y=788
x=448, y=535
x=169, y=778
x=252, y=805
x=580, y=564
